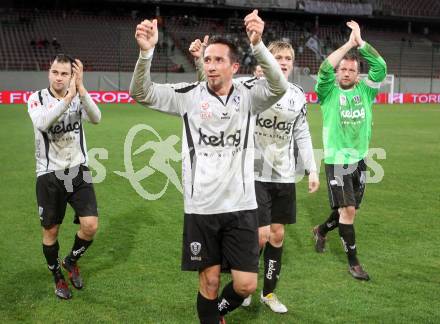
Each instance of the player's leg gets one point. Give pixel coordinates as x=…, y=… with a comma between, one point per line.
x=264, y=201
x=207, y=300
x=272, y=268
x=263, y=238
x=240, y=249
x=347, y=218
x=201, y=251
x=336, y=198
x=347, y=234
x=320, y=231
x=283, y=212
x=242, y=285
x=83, y=201
x=52, y=207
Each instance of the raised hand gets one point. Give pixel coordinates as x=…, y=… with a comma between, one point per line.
x=356, y=32
x=78, y=71
x=71, y=91
x=254, y=27
x=146, y=34
x=197, y=47
x=352, y=40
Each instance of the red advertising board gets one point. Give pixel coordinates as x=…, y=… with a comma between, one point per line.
x=21, y=97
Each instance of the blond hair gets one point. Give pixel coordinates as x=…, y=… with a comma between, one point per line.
x=276, y=46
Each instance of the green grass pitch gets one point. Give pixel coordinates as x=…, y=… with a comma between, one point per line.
x=132, y=271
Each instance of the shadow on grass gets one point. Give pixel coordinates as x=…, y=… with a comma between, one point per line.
x=118, y=239
x=24, y=292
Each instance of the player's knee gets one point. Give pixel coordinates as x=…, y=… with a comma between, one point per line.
x=262, y=241
x=277, y=235
x=263, y=235
x=50, y=234
x=90, y=227
x=245, y=287
x=351, y=212
x=347, y=214
x=263, y=238
x=210, y=284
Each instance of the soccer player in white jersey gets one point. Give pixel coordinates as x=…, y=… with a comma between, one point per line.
x=280, y=132
x=220, y=222
x=57, y=114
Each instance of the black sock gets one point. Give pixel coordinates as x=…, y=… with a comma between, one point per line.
x=330, y=224
x=346, y=232
x=272, y=267
x=79, y=248
x=207, y=309
x=53, y=263
x=229, y=299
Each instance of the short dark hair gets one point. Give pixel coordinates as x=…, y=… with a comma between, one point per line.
x=62, y=58
x=350, y=56
x=233, y=51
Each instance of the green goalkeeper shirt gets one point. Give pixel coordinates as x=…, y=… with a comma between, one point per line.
x=347, y=114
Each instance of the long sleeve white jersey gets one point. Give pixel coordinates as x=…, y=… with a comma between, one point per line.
x=282, y=132
x=59, y=136
x=217, y=144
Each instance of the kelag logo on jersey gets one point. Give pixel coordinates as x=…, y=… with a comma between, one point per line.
x=222, y=140
x=353, y=114
x=62, y=128
x=269, y=123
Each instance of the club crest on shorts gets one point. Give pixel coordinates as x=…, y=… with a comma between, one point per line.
x=195, y=248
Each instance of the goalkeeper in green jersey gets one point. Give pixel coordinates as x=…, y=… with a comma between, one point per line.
x=346, y=104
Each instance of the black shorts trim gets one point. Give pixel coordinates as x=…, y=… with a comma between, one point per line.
x=228, y=239
x=52, y=197
x=276, y=203
x=346, y=184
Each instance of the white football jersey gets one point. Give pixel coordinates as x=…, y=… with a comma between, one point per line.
x=281, y=133
x=63, y=144
x=217, y=145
